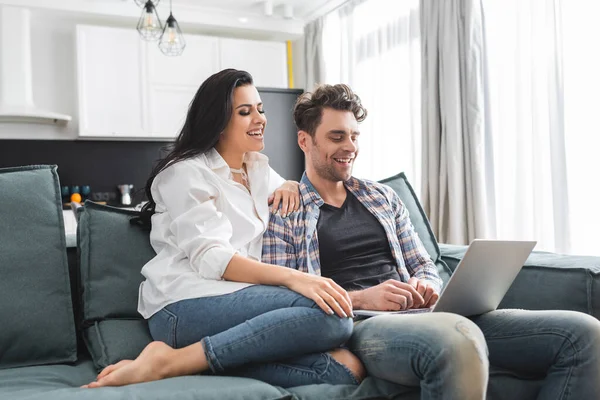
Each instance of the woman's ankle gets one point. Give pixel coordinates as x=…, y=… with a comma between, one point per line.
x=189, y=360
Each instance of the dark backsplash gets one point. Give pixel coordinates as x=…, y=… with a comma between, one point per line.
x=104, y=164
x=100, y=164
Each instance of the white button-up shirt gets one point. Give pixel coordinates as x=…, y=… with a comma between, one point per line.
x=202, y=219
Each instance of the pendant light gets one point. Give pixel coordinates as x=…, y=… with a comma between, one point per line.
x=142, y=3
x=171, y=41
x=149, y=25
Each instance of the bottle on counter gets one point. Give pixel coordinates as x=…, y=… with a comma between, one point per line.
x=85, y=193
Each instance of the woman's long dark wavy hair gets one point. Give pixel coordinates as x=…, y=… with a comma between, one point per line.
x=208, y=115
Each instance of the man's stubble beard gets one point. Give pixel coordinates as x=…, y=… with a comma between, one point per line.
x=326, y=170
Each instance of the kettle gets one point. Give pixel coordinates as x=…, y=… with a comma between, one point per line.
x=125, y=190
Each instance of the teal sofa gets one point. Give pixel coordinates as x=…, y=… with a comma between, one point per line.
x=69, y=310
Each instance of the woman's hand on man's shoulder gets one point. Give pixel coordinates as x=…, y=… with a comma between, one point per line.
x=287, y=196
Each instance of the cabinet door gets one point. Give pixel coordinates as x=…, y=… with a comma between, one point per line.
x=110, y=67
x=265, y=61
x=173, y=82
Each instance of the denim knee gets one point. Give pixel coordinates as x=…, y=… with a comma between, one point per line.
x=335, y=330
x=456, y=338
x=584, y=326
x=584, y=331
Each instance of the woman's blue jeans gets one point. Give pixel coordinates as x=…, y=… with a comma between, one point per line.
x=263, y=332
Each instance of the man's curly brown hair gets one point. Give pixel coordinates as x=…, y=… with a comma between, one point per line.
x=308, y=110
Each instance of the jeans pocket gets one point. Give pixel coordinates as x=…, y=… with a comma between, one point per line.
x=163, y=327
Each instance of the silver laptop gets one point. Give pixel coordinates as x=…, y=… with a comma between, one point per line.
x=480, y=280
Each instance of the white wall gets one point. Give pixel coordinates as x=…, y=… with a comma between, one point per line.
x=54, y=70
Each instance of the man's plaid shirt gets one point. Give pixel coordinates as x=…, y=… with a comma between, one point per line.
x=292, y=242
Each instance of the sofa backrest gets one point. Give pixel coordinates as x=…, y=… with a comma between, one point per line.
x=35, y=296
x=400, y=184
x=112, y=253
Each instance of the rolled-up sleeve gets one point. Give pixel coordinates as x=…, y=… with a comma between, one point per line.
x=201, y=231
x=416, y=258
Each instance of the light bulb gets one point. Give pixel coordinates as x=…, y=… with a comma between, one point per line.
x=173, y=37
x=149, y=23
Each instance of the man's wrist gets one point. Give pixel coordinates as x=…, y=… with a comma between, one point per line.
x=356, y=298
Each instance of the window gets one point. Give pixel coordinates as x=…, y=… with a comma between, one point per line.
x=544, y=82
x=375, y=48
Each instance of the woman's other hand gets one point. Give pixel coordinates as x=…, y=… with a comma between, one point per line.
x=328, y=295
x=288, y=196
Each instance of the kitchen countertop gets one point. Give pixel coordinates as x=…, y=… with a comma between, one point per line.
x=70, y=228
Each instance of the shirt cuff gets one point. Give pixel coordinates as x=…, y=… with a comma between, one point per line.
x=214, y=262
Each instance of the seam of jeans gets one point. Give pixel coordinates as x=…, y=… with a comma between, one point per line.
x=576, y=352
x=297, y=369
x=173, y=320
x=422, y=349
x=247, y=338
x=311, y=372
x=211, y=358
x=332, y=360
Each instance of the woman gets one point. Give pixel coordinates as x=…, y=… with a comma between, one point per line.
x=210, y=303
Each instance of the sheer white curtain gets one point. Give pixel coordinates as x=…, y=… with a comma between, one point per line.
x=524, y=51
x=581, y=32
x=374, y=47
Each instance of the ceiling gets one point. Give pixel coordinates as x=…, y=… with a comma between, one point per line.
x=302, y=9
x=236, y=18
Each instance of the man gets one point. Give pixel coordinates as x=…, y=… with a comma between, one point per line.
x=359, y=234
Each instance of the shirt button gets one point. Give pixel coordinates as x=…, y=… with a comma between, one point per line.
x=308, y=237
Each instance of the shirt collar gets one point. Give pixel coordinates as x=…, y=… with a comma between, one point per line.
x=310, y=195
x=217, y=163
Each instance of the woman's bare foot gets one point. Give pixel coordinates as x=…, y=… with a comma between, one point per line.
x=152, y=364
x=352, y=362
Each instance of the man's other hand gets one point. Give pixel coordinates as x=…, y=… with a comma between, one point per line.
x=391, y=295
x=426, y=290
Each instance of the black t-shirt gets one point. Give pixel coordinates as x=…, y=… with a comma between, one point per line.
x=353, y=246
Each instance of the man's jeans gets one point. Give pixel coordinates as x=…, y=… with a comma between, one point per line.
x=259, y=325
x=562, y=348
x=446, y=354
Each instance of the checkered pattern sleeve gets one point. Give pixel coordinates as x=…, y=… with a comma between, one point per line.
x=278, y=243
x=417, y=260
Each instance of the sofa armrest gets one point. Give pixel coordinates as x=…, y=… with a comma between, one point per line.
x=548, y=281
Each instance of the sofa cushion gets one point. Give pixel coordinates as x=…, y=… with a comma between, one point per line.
x=399, y=183
x=35, y=296
x=62, y=382
x=548, y=281
x=113, y=340
x=112, y=253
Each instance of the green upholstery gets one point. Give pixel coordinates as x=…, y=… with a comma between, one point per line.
x=399, y=183
x=112, y=253
x=35, y=296
x=62, y=382
x=113, y=340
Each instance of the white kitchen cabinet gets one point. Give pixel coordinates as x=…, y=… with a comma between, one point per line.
x=128, y=89
x=173, y=82
x=111, y=67
x=265, y=61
